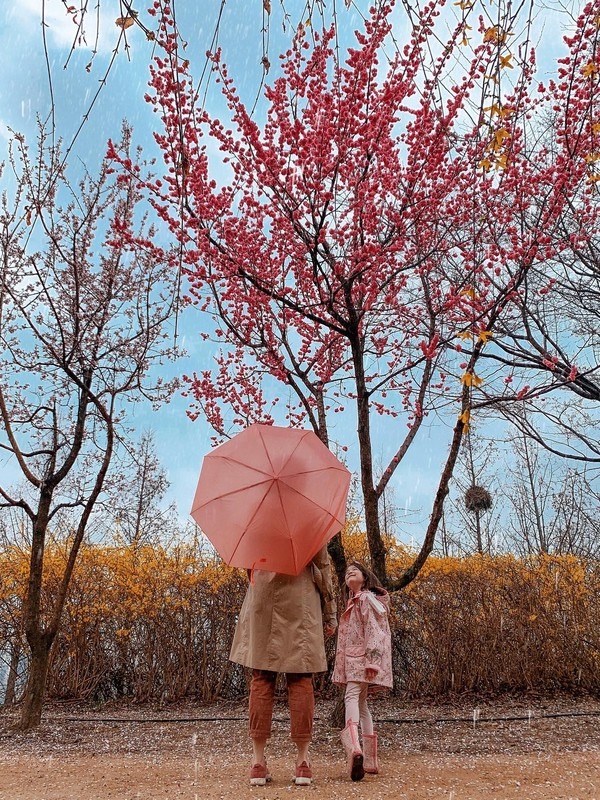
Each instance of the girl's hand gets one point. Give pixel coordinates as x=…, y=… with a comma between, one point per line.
x=370, y=674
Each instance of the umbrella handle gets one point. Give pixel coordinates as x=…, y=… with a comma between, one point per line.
x=253, y=567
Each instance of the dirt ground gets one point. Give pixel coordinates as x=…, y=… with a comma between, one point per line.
x=527, y=748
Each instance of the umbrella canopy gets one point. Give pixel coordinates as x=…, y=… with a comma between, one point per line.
x=270, y=498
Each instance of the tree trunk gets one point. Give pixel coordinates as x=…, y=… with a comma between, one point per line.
x=478, y=532
x=11, y=680
x=411, y=572
x=337, y=717
x=338, y=556
x=35, y=691
x=370, y=496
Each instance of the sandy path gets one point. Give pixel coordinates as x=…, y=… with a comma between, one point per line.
x=525, y=754
x=535, y=777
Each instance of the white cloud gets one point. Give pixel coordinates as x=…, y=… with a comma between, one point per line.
x=62, y=28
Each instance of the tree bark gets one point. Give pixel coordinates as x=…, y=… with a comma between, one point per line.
x=370, y=496
x=478, y=532
x=31, y=713
x=338, y=556
x=13, y=668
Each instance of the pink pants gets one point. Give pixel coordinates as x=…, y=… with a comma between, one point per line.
x=357, y=709
x=301, y=702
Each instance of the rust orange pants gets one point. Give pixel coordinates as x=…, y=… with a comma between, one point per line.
x=301, y=702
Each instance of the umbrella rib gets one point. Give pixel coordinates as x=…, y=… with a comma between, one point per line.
x=290, y=454
x=313, y=471
x=252, y=518
x=244, y=464
x=327, y=509
x=291, y=540
x=233, y=492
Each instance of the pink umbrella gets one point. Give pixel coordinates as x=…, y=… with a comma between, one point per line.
x=270, y=498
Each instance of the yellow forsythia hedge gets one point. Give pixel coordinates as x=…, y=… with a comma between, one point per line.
x=156, y=623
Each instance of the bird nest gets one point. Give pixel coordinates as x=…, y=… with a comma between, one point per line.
x=478, y=499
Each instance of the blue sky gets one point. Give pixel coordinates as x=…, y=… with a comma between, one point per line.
x=25, y=94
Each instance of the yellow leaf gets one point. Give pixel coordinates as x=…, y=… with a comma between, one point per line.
x=465, y=335
x=485, y=336
x=470, y=379
x=592, y=157
x=465, y=418
x=505, y=61
x=494, y=109
x=500, y=136
x=589, y=70
x=496, y=34
x=506, y=111
x=125, y=22
x=532, y=617
x=469, y=291
x=485, y=163
x=596, y=127
x=464, y=5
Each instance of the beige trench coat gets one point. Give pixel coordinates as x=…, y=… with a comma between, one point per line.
x=280, y=627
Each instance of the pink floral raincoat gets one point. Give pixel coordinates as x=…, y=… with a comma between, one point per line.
x=364, y=640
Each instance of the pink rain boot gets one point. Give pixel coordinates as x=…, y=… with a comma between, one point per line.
x=370, y=748
x=354, y=756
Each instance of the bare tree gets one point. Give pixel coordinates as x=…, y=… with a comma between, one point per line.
x=549, y=344
x=85, y=304
x=472, y=518
x=12, y=643
x=553, y=507
x=136, y=494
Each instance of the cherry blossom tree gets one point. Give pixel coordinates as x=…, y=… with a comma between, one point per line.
x=378, y=227
x=548, y=343
x=86, y=298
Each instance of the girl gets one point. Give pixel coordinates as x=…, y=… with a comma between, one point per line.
x=363, y=657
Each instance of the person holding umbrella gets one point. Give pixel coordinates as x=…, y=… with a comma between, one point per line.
x=269, y=499
x=280, y=630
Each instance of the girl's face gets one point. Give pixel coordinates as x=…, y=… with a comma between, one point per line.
x=354, y=578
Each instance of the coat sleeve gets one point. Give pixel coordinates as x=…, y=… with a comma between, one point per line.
x=377, y=630
x=321, y=571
